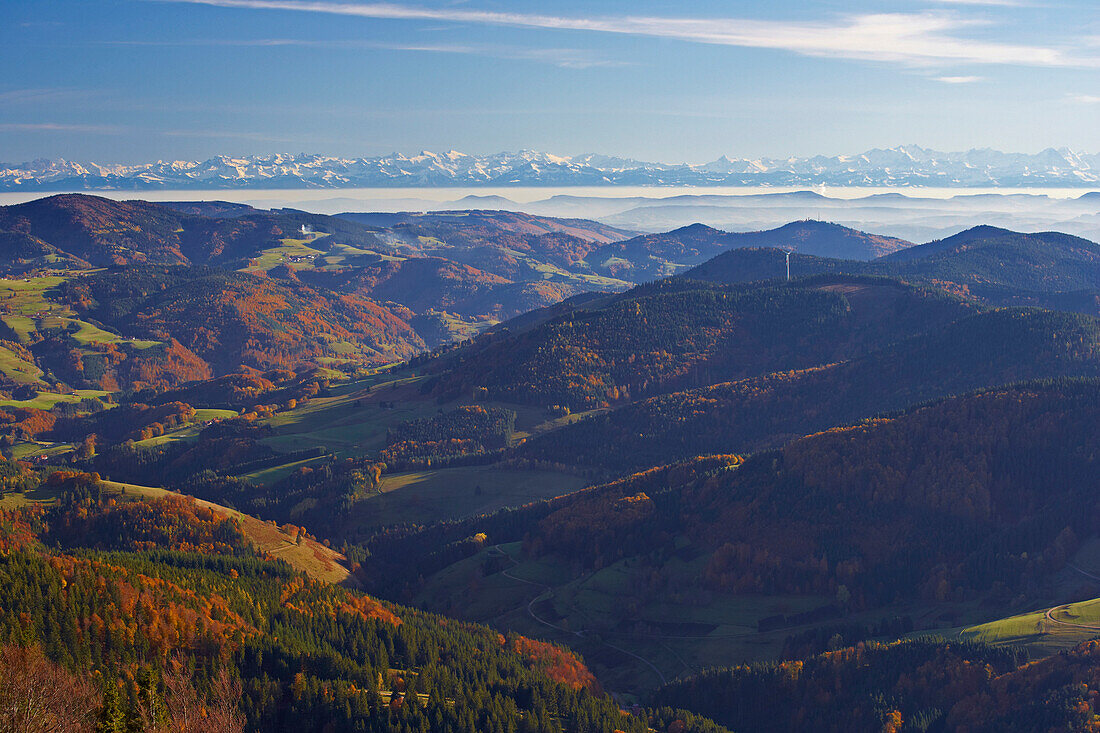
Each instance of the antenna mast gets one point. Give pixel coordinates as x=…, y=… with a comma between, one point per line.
x=788, y=265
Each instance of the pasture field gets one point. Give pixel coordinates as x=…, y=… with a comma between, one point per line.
x=1064, y=628
x=453, y=493
x=285, y=254
x=349, y=423
x=18, y=369
x=1057, y=626
x=32, y=449
x=274, y=474
x=27, y=297
x=43, y=495
x=344, y=255
x=46, y=400
x=88, y=333
x=354, y=420
x=190, y=430
x=443, y=326
x=26, y=309
x=599, y=614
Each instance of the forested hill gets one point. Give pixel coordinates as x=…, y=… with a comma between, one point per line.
x=232, y=320
x=944, y=501
x=81, y=231
x=985, y=263
x=119, y=613
x=651, y=256
x=983, y=496
x=954, y=243
x=676, y=334
x=997, y=347
x=486, y=227
x=102, y=294
x=823, y=239
x=921, y=685
x=752, y=264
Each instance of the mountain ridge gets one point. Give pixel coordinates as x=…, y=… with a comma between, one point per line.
x=897, y=166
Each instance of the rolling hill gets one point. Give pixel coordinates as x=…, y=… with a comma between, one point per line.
x=992, y=265
x=956, y=509
x=704, y=471
x=311, y=289
x=676, y=334
x=942, y=501
x=651, y=256
x=232, y=320
x=823, y=239
x=991, y=348
x=151, y=600
x=922, y=685
x=83, y=231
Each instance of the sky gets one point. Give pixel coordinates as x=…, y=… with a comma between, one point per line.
x=139, y=80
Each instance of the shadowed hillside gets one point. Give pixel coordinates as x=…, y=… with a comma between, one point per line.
x=997, y=347
x=984, y=263
x=677, y=334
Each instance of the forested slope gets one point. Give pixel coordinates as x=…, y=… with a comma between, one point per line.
x=676, y=334
x=996, y=347
x=164, y=601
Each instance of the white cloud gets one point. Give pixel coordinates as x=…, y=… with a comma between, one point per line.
x=960, y=79
x=1085, y=98
x=907, y=38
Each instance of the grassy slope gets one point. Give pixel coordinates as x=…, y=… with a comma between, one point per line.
x=18, y=369
x=281, y=255
x=46, y=400
x=451, y=493
x=189, y=431
x=26, y=306
x=353, y=422
x=1051, y=629
x=597, y=614
x=311, y=557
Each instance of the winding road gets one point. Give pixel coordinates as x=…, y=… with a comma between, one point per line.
x=1064, y=606
x=1050, y=612
x=547, y=592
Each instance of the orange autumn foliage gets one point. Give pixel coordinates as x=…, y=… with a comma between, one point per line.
x=558, y=663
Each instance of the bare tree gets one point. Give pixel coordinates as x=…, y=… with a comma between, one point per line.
x=188, y=712
x=38, y=696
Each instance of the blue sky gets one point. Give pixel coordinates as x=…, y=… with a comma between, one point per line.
x=134, y=80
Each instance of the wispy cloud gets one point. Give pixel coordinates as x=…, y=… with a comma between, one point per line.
x=1085, y=98
x=47, y=94
x=986, y=3
x=907, y=38
x=60, y=127
x=228, y=135
x=570, y=58
x=960, y=79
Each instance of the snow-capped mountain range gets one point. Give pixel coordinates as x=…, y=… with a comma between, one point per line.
x=901, y=166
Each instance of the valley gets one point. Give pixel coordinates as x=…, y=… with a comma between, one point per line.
x=630, y=471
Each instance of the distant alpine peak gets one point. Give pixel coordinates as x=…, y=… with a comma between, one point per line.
x=905, y=165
